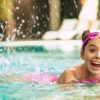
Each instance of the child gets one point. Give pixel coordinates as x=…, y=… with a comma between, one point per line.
x=90, y=70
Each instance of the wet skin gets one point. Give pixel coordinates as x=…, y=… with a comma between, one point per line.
x=91, y=56
x=87, y=71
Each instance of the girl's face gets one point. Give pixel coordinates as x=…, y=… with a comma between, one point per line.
x=91, y=55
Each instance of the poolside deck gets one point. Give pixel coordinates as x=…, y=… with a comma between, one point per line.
x=41, y=42
x=63, y=45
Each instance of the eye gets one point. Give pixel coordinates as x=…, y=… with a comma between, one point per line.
x=92, y=50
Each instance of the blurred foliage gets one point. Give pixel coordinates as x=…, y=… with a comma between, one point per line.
x=6, y=7
x=98, y=15
x=1, y=4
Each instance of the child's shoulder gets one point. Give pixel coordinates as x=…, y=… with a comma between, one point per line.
x=76, y=69
x=71, y=74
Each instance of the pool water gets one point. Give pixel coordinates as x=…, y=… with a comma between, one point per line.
x=19, y=60
x=36, y=59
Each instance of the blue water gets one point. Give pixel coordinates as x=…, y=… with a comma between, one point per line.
x=36, y=59
x=15, y=61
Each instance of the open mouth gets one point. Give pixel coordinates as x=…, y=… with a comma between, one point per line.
x=95, y=65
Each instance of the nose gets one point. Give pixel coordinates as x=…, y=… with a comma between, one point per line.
x=98, y=54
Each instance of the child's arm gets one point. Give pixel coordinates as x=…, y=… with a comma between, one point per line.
x=67, y=77
x=61, y=79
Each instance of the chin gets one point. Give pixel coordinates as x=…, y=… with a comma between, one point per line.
x=95, y=73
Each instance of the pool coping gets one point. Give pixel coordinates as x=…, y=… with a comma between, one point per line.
x=40, y=42
x=49, y=45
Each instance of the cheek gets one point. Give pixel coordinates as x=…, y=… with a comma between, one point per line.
x=87, y=56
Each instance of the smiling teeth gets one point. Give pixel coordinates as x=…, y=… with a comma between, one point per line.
x=96, y=62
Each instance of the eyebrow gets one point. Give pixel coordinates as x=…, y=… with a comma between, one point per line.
x=92, y=45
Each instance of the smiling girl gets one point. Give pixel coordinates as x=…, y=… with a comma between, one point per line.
x=89, y=71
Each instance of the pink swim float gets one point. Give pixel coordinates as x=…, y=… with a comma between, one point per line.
x=42, y=77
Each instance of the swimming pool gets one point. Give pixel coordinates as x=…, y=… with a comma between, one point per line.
x=21, y=58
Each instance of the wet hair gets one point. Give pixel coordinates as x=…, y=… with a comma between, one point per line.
x=84, y=36
x=87, y=36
